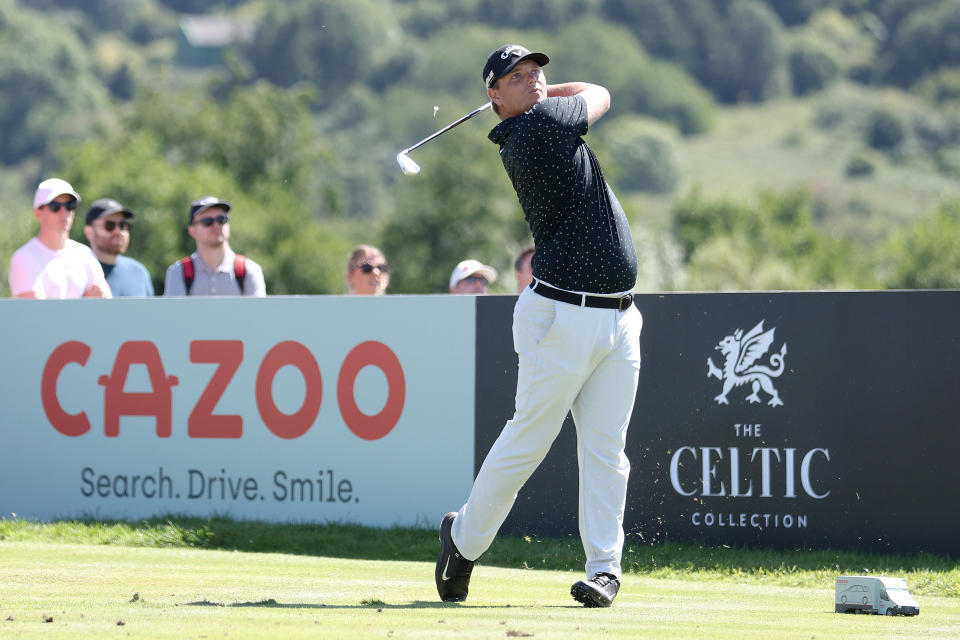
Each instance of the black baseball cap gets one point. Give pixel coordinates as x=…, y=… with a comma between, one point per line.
x=205, y=203
x=105, y=207
x=501, y=61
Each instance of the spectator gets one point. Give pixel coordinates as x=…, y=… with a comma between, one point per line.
x=108, y=232
x=368, y=273
x=523, y=268
x=213, y=269
x=51, y=265
x=472, y=276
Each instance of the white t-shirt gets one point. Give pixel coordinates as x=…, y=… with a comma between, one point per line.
x=53, y=274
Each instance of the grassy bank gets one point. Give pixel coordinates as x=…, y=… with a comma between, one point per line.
x=926, y=574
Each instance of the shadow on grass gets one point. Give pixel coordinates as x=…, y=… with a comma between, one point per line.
x=376, y=606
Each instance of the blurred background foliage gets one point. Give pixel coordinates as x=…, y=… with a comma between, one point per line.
x=755, y=144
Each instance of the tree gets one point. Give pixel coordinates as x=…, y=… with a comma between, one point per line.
x=773, y=244
x=812, y=68
x=50, y=90
x=256, y=148
x=636, y=82
x=927, y=254
x=925, y=41
x=327, y=43
x=795, y=12
x=460, y=206
x=258, y=133
x=733, y=47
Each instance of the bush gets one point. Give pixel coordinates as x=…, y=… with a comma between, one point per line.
x=941, y=87
x=642, y=156
x=664, y=91
x=935, y=130
x=859, y=166
x=811, y=68
x=885, y=129
x=774, y=243
x=927, y=256
x=845, y=105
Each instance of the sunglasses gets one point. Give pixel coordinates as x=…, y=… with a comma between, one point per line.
x=479, y=279
x=110, y=225
x=208, y=222
x=56, y=206
x=366, y=267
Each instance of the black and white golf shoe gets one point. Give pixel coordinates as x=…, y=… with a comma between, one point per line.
x=453, y=570
x=598, y=591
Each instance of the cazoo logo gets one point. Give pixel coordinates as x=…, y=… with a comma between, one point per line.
x=739, y=366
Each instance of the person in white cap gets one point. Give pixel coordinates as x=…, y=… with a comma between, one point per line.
x=51, y=265
x=213, y=269
x=472, y=276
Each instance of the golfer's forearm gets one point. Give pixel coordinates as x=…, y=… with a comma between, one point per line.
x=568, y=89
x=597, y=97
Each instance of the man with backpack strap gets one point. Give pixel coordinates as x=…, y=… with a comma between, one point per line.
x=213, y=269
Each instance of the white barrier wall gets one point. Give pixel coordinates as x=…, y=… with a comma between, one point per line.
x=283, y=408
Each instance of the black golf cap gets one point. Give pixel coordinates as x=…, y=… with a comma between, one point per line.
x=105, y=207
x=501, y=61
x=205, y=203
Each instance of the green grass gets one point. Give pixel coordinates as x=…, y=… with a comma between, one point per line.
x=193, y=578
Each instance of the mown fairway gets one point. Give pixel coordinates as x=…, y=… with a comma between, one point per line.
x=91, y=591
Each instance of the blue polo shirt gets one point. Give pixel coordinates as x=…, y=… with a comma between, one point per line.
x=582, y=237
x=128, y=278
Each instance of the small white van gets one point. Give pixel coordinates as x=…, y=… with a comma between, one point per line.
x=868, y=594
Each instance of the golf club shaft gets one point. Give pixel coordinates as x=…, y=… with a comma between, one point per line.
x=447, y=128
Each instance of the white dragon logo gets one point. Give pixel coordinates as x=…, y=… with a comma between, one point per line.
x=740, y=354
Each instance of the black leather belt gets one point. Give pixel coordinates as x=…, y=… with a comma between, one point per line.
x=582, y=300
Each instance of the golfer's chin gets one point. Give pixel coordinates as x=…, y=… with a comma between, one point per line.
x=535, y=98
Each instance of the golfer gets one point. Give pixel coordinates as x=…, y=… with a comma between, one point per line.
x=575, y=329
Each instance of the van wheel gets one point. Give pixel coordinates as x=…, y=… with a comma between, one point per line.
x=891, y=612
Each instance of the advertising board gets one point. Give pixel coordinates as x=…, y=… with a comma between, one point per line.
x=789, y=420
x=285, y=408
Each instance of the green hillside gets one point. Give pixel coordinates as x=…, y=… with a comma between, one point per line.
x=736, y=127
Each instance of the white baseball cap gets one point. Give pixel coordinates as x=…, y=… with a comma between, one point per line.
x=50, y=189
x=469, y=267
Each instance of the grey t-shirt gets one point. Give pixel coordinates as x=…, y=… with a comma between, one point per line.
x=220, y=281
x=581, y=233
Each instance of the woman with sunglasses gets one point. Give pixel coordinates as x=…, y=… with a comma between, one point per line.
x=368, y=273
x=51, y=265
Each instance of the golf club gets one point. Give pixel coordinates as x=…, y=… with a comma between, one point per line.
x=407, y=164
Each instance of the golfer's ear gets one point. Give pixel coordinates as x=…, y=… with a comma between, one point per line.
x=494, y=96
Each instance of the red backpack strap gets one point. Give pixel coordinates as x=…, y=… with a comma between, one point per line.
x=186, y=264
x=240, y=269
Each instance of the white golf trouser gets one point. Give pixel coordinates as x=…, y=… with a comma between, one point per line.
x=571, y=358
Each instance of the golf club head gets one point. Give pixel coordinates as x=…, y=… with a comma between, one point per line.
x=407, y=164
